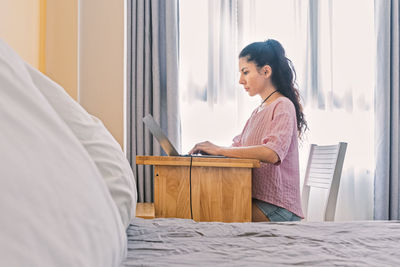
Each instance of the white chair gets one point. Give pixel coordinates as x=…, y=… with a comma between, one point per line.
x=324, y=169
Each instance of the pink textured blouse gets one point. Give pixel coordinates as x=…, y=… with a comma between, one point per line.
x=275, y=127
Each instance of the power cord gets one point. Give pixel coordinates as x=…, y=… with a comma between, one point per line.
x=190, y=186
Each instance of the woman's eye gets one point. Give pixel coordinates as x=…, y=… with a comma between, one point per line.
x=245, y=73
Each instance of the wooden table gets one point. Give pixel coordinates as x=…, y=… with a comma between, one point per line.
x=217, y=189
x=145, y=210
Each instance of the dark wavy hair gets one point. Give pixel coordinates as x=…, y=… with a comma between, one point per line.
x=283, y=76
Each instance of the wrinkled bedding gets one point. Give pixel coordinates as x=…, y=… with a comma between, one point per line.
x=181, y=242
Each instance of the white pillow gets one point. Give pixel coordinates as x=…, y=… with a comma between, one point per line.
x=54, y=205
x=97, y=140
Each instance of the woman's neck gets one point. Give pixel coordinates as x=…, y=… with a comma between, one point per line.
x=269, y=94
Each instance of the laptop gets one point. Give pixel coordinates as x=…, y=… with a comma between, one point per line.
x=166, y=145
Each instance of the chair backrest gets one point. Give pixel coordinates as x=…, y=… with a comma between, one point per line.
x=324, y=169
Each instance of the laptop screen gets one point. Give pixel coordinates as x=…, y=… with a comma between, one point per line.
x=155, y=129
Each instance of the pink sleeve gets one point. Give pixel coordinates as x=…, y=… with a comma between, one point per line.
x=280, y=131
x=236, y=140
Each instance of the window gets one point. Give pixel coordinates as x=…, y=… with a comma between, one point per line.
x=331, y=44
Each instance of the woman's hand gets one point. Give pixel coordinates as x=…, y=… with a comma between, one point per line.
x=259, y=152
x=206, y=148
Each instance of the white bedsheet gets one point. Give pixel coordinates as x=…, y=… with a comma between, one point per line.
x=179, y=242
x=55, y=208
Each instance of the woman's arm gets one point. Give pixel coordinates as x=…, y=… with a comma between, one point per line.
x=259, y=152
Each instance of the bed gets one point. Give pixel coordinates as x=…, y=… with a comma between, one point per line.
x=68, y=198
x=67, y=192
x=183, y=242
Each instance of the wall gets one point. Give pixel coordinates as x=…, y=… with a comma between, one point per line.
x=101, y=62
x=91, y=67
x=61, y=52
x=20, y=27
x=45, y=34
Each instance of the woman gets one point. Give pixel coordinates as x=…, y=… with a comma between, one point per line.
x=271, y=133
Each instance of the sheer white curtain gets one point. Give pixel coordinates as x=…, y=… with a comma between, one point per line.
x=333, y=54
x=209, y=85
x=339, y=95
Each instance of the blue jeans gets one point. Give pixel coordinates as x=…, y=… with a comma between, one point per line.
x=275, y=213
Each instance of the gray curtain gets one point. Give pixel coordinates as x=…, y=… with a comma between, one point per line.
x=152, y=82
x=387, y=110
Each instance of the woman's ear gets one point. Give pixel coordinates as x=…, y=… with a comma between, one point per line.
x=267, y=71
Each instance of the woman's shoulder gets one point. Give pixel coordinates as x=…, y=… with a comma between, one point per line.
x=283, y=104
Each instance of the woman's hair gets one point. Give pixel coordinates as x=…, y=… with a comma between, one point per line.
x=283, y=76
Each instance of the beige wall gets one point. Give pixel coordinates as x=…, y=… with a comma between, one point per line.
x=20, y=22
x=61, y=61
x=20, y=27
x=101, y=62
x=91, y=67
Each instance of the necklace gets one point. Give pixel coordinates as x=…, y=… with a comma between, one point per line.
x=267, y=98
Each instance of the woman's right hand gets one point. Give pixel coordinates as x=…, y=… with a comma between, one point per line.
x=205, y=148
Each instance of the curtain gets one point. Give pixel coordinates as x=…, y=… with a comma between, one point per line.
x=387, y=101
x=222, y=51
x=208, y=71
x=338, y=91
x=152, y=82
x=215, y=34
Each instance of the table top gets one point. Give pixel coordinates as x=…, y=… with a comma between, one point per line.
x=197, y=161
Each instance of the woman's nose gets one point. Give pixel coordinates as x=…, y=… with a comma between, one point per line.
x=241, y=80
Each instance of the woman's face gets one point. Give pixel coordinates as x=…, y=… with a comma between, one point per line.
x=253, y=80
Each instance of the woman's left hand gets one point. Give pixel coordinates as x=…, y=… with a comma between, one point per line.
x=206, y=148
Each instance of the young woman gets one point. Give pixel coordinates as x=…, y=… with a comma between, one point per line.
x=271, y=133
